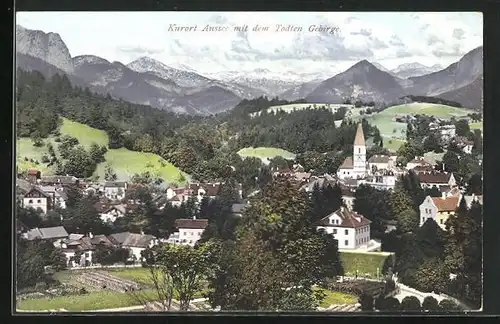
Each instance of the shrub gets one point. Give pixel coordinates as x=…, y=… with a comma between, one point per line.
x=448, y=305
x=389, y=286
x=430, y=304
x=45, y=159
x=57, y=139
x=26, y=159
x=380, y=303
x=391, y=304
x=366, y=301
x=41, y=286
x=83, y=291
x=410, y=303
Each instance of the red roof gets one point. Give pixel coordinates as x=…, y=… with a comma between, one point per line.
x=448, y=204
x=435, y=177
x=33, y=172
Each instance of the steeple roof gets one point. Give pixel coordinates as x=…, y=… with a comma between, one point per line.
x=360, y=137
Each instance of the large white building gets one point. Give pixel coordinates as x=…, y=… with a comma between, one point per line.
x=350, y=229
x=188, y=231
x=355, y=166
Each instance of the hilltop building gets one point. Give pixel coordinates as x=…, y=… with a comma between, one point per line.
x=355, y=166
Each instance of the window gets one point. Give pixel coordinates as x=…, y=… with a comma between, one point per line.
x=440, y=221
x=39, y=201
x=184, y=233
x=30, y=201
x=359, y=150
x=346, y=242
x=346, y=232
x=332, y=221
x=87, y=254
x=192, y=233
x=423, y=219
x=334, y=231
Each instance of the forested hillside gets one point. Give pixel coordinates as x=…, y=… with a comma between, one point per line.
x=203, y=147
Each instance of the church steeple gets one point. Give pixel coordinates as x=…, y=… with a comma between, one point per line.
x=360, y=137
x=359, y=154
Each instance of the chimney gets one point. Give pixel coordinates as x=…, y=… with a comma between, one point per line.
x=194, y=217
x=444, y=170
x=443, y=195
x=142, y=232
x=91, y=235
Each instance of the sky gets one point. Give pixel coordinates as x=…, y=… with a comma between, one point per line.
x=390, y=39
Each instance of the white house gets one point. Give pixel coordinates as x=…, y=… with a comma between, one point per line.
x=355, y=166
x=113, y=212
x=188, y=231
x=447, y=132
x=115, y=190
x=36, y=198
x=348, y=197
x=136, y=243
x=437, y=179
x=384, y=181
x=57, y=193
x=350, y=229
x=380, y=162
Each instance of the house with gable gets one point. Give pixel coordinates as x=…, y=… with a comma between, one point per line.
x=417, y=161
x=438, y=209
x=111, y=213
x=58, y=180
x=350, y=229
x=437, y=179
x=57, y=194
x=188, y=231
x=115, y=190
x=53, y=234
x=380, y=162
x=36, y=198
x=136, y=243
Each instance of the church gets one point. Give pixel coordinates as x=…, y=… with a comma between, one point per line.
x=356, y=166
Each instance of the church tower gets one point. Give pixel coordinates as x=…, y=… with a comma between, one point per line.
x=359, y=154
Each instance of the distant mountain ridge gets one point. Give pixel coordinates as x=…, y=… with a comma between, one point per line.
x=151, y=82
x=415, y=69
x=362, y=81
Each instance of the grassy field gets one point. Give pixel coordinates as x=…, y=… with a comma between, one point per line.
x=396, y=132
x=477, y=125
x=125, y=163
x=91, y=301
x=265, y=153
x=336, y=298
x=365, y=263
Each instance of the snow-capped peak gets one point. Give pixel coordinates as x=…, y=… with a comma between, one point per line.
x=182, y=78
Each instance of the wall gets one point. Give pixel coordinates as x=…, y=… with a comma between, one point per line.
x=36, y=203
x=189, y=234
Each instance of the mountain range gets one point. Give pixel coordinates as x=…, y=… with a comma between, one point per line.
x=150, y=82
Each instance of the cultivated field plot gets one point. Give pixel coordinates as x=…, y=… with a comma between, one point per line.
x=365, y=264
x=265, y=153
x=124, y=162
x=476, y=125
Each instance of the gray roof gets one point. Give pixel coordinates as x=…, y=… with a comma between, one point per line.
x=132, y=239
x=379, y=159
x=58, y=179
x=238, y=208
x=115, y=184
x=47, y=233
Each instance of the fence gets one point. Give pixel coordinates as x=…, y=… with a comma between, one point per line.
x=106, y=267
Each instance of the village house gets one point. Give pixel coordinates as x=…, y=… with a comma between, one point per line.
x=188, y=231
x=110, y=214
x=381, y=180
x=380, y=162
x=350, y=229
x=33, y=176
x=348, y=197
x=57, y=193
x=136, y=243
x=321, y=182
x=438, y=209
x=437, y=179
x=86, y=246
x=36, y=198
x=464, y=144
x=52, y=234
x=423, y=169
x=173, y=196
x=418, y=161
x=355, y=166
x=115, y=190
